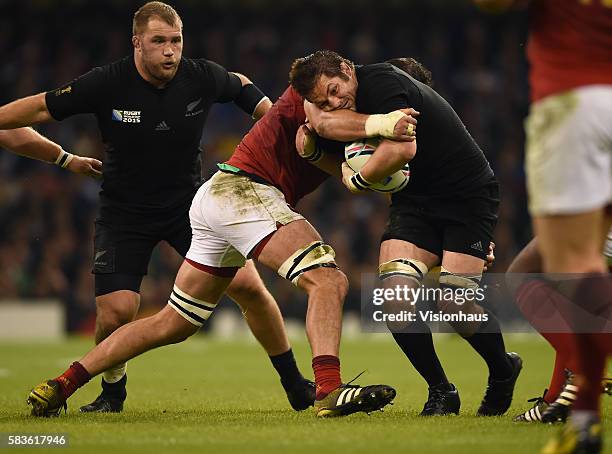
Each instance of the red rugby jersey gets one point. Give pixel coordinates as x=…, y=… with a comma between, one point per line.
x=268, y=150
x=570, y=45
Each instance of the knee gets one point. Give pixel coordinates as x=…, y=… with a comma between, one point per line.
x=250, y=294
x=330, y=281
x=111, y=315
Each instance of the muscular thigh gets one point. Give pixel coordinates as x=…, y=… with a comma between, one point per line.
x=572, y=243
x=286, y=241
x=247, y=286
x=398, y=249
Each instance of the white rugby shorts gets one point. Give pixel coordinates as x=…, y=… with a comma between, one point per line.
x=569, y=151
x=230, y=214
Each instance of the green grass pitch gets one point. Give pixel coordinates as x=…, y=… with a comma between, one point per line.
x=211, y=396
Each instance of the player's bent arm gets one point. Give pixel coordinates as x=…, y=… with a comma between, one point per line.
x=389, y=157
x=330, y=163
x=308, y=148
x=24, y=112
x=345, y=125
x=29, y=143
x=251, y=99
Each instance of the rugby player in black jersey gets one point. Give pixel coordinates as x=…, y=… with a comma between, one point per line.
x=445, y=215
x=151, y=108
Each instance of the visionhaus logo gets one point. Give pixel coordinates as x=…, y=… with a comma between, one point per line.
x=126, y=116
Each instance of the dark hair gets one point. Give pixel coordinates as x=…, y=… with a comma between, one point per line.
x=154, y=9
x=413, y=68
x=305, y=72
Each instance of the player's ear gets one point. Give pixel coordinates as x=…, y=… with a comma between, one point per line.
x=136, y=42
x=346, y=69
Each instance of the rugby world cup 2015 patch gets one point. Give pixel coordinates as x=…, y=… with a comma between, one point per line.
x=126, y=116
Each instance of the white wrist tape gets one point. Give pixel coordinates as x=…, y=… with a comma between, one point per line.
x=311, y=152
x=383, y=124
x=63, y=159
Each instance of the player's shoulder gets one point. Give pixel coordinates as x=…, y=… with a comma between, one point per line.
x=115, y=72
x=376, y=71
x=291, y=96
x=199, y=65
x=116, y=69
x=383, y=76
x=375, y=68
x=383, y=80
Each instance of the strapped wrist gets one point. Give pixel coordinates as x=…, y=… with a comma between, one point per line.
x=314, y=155
x=383, y=124
x=359, y=182
x=64, y=158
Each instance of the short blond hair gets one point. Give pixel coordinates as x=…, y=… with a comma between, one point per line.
x=149, y=10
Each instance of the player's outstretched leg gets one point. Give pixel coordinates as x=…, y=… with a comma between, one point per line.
x=192, y=301
x=298, y=254
x=266, y=323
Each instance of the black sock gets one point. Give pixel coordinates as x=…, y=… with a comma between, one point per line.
x=287, y=368
x=115, y=390
x=489, y=344
x=419, y=348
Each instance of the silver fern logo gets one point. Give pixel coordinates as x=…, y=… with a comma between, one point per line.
x=194, y=108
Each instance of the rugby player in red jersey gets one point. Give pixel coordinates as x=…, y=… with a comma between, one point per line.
x=245, y=211
x=569, y=179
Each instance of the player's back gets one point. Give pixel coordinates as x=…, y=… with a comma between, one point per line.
x=570, y=45
x=447, y=159
x=268, y=150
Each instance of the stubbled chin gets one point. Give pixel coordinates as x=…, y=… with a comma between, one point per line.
x=167, y=74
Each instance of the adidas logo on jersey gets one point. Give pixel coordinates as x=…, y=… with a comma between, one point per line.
x=162, y=127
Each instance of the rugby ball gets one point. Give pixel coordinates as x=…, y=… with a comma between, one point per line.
x=356, y=154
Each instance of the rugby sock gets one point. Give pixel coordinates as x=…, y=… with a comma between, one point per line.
x=420, y=351
x=591, y=364
x=545, y=309
x=594, y=295
x=71, y=380
x=114, y=374
x=489, y=344
x=115, y=390
x=287, y=369
x=327, y=374
x=561, y=342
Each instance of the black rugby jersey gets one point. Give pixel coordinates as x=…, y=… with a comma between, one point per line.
x=448, y=161
x=151, y=136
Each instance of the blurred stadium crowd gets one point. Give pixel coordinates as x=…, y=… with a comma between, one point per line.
x=46, y=214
